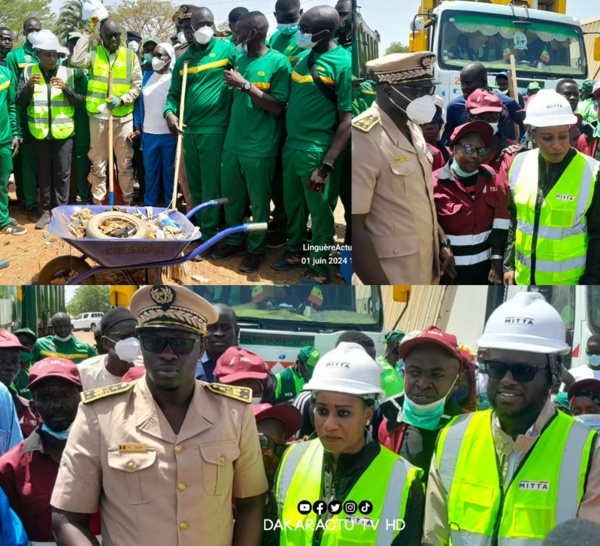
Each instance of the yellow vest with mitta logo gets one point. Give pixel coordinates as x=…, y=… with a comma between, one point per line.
x=485, y=509
x=122, y=69
x=49, y=110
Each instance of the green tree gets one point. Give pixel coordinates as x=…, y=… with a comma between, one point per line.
x=89, y=299
x=14, y=13
x=148, y=17
x=69, y=19
x=396, y=47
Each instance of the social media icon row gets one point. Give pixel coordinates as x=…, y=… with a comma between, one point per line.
x=334, y=507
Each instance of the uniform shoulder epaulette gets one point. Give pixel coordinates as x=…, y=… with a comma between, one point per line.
x=366, y=121
x=92, y=395
x=243, y=394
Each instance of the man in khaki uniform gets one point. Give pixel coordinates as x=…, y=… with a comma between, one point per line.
x=396, y=239
x=164, y=457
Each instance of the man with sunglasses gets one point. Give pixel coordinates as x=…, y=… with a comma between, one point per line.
x=165, y=455
x=510, y=474
x=396, y=238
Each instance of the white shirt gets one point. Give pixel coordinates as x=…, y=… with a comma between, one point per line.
x=94, y=374
x=155, y=98
x=582, y=372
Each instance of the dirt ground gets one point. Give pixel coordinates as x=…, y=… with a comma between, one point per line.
x=27, y=254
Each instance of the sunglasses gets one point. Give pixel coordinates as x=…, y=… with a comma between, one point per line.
x=156, y=344
x=470, y=149
x=266, y=442
x=419, y=90
x=523, y=373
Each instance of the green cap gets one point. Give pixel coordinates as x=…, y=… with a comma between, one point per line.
x=533, y=85
x=587, y=86
x=562, y=400
x=154, y=39
x=393, y=336
x=309, y=355
x=25, y=331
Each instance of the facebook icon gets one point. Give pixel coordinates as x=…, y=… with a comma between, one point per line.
x=319, y=507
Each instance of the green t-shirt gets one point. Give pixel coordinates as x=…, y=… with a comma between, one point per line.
x=18, y=59
x=287, y=45
x=9, y=120
x=207, y=99
x=312, y=118
x=368, y=92
x=289, y=384
x=391, y=382
x=20, y=384
x=254, y=132
x=73, y=349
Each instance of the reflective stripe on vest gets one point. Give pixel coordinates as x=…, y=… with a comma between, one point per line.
x=55, y=117
x=100, y=68
x=543, y=492
x=388, y=478
x=562, y=238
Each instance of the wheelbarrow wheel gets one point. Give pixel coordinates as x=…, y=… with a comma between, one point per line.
x=94, y=231
x=64, y=269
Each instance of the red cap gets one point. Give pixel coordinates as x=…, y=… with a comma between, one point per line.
x=584, y=385
x=482, y=100
x=596, y=90
x=237, y=363
x=8, y=340
x=133, y=373
x=286, y=413
x=481, y=127
x=434, y=335
x=54, y=367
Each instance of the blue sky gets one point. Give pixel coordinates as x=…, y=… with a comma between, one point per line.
x=392, y=17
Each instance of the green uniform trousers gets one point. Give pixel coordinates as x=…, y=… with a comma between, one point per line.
x=202, y=156
x=243, y=177
x=82, y=165
x=6, y=166
x=298, y=165
x=25, y=177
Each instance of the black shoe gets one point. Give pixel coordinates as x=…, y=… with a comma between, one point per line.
x=251, y=263
x=33, y=215
x=287, y=261
x=228, y=251
x=276, y=239
x=311, y=277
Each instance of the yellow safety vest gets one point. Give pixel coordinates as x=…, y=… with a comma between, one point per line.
x=557, y=250
x=49, y=110
x=485, y=509
x=122, y=69
x=386, y=483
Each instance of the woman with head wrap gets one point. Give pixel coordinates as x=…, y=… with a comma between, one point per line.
x=157, y=144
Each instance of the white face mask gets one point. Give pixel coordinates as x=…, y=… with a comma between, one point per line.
x=133, y=45
x=181, y=37
x=158, y=64
x=128, y=350
x=242, y=49
x=63, y=339
x=505, y=92
x=31, y=36
x=420, y=110
x=494, y=127
x=204, y=35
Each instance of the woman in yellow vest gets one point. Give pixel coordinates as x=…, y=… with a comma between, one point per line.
x=554, y=233
x=47, y=92
x=343, y=487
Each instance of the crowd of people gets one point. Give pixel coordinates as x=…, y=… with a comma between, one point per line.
x=174, y=421
x=495, y=190
x=265, y=120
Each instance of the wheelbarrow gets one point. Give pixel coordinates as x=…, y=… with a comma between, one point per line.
x=125, y=255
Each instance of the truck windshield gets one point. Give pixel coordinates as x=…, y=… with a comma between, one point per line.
x=543, y=47
x=296, y=308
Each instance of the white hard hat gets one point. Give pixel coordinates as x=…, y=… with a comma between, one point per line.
x=46, y=41
x=347, y=369
x=92, y=8
x=547, y=108
x=528, y=323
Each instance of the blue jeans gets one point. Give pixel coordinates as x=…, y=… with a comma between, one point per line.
x=159, y=159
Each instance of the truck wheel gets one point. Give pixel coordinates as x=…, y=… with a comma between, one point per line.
x=94, y=230
x=93, y=328
x=64, y=269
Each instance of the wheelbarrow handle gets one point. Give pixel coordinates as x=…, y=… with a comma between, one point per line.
x=257, y=226
x=225, y=233
x=220, y=201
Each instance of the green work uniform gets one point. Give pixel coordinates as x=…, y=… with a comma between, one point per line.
x=391, y=382
x=311, y=122
x=19, y=385
x=9, y=128
x=73, y=349
x=207, y=107
x=289, y=384
x=24, y=163
x=81, y=140
x=368, y=92
x=286, y=44
x=251, y=145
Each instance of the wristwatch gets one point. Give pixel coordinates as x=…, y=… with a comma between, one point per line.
x=246, y=87
x=444, y=243
x=326, y=167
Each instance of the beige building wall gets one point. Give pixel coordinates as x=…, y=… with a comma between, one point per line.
x=591, y=24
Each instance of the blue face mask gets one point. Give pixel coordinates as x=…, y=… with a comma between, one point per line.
x=594, y=360
x=459, y=172
x=63, y=435
x=304, y=41
x=288, y=29
x=426, y=416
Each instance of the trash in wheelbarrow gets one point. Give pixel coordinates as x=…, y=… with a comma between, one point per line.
x=127, y=252
x=121, y=223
